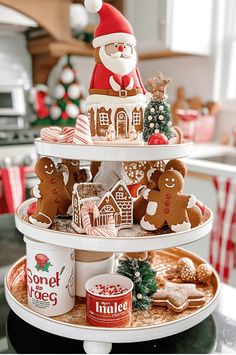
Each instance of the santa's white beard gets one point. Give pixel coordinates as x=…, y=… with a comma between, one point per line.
x=120, y=66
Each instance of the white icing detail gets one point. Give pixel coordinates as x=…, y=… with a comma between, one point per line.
x=152, y=208
x=146, y=193
x=40, y=224
x=170, y=186
x=150, y=173
x=49, y=172
x=192, y=201
x=103, y=100
x=131, y=84
x=146, y=225
x=75, y=164
x=70, y=211
x=114, y=85
x=185, y=226
x=36, y=191
x=65, y=177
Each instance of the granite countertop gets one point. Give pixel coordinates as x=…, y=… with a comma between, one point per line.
x=216, y=334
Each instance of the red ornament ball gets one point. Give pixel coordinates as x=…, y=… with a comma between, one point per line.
x=158, y=139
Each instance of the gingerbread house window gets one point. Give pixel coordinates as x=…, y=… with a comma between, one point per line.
x=75, y=203
x=136, y=118
x=104, y=119
x=119, y=196
x=76, y=218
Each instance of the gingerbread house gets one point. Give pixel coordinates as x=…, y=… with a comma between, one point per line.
x=116, y=203
x=83, y=193
x=119, y=203
x=124, y=119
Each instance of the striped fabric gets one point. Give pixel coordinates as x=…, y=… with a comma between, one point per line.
x=223, y=239
x=109, y=230
x=13, y=186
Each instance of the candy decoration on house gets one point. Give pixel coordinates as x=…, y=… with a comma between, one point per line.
x=157, y=116
x=69, y=99
x=117, y=96
x=144, y=280
x=41, y=101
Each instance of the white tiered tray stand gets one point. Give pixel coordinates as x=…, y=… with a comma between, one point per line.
x=99, y=340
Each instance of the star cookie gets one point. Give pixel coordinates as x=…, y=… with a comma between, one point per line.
x=178, y=297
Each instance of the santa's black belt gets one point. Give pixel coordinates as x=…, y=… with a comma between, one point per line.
x=110, y=92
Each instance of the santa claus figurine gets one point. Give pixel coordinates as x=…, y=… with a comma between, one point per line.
x=117, y=95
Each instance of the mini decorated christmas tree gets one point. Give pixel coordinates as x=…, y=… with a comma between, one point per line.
x=144, y=279
x=69, y=99
x=157, y=117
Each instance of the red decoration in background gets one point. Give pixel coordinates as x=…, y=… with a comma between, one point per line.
x=222, y=243
x=12, y=188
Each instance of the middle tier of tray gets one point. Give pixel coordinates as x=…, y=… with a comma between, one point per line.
x=128, y=240
x=113, y=152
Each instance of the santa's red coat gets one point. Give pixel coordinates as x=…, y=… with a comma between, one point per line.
x=101, y=76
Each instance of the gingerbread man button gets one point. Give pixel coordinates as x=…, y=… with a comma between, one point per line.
x=169, y=205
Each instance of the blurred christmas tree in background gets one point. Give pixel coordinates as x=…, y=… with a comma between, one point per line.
x=68, y=97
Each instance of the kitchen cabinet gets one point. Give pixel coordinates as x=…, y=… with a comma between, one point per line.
x=183, y=26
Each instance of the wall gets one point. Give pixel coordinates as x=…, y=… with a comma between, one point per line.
x=194, y=73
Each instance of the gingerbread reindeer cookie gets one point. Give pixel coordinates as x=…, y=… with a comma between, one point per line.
x=169, y=205
x=52, y=195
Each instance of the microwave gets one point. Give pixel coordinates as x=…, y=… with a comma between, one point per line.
x=12, y=101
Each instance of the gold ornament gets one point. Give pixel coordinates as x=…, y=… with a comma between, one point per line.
x=158, y=87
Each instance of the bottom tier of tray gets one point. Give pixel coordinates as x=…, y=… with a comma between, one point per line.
x=157, y=322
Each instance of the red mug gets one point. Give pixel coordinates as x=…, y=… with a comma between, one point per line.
x=109, y=310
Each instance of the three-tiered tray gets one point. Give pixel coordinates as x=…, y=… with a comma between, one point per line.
x=146, y=325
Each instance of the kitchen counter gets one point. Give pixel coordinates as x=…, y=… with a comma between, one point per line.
x=207, y=159
x=214, y=335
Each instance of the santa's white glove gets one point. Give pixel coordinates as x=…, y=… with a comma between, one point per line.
x=146, y=193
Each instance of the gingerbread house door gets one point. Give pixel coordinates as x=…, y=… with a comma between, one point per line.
x=122, y=124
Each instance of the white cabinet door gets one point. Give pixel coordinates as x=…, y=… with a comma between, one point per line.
x=148, y=19
x=189, y=26
x=178, y=25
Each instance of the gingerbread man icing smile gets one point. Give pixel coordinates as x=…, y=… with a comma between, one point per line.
x=169, y=205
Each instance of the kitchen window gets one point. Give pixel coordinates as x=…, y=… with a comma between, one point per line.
x=226, y=53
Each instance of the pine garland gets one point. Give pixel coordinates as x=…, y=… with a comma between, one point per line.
x=157, y=119
x=144, y=279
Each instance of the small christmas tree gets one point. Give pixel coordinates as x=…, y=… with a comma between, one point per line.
x=144, y=279
x=68, y=98
x=157, y=116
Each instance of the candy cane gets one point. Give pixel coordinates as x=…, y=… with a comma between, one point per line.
x=50, y=134
x=109, y=231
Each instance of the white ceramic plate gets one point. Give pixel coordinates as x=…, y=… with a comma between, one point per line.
x=100, y=339
x=118, y=244
x=112, y=152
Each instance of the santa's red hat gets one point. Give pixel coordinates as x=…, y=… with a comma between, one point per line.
x=113, y=26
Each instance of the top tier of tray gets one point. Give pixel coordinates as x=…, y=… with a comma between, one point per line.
x=113, y=152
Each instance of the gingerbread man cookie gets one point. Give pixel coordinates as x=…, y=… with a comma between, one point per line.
x=75, y=175
x=52, y=195
x=169, y=205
